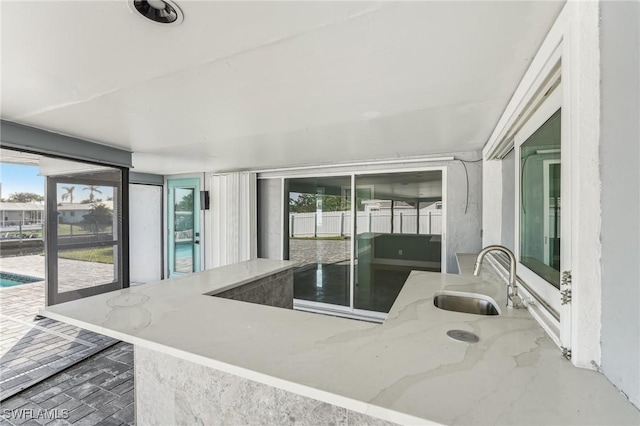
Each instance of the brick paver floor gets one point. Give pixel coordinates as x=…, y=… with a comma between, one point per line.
x=98, y=390
x=72, y=274
x=319, y=251
x=33, y=352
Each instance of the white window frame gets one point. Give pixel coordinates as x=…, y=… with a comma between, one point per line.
x=544, y=289
x=545, y=184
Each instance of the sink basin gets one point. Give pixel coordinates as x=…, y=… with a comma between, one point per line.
x=466, y=304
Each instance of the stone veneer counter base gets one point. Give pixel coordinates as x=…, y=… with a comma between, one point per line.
x=406, y=370
x=170, y=390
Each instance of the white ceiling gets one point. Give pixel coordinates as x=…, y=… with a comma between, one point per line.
x=246, y=85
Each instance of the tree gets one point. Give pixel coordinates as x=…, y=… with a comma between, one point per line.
x=303, y=203
x=308, y=203
x=186, y=204
x=92, y=189
x=99, y=217
x=68, y=194
x=24, y=197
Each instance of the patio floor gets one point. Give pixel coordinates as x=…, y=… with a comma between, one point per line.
x=40, y=354
x=72, y=274
x=98, y=390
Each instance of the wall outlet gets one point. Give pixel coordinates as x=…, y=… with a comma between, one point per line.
x=399, y=252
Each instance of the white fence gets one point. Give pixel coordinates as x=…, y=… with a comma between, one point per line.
x=336, y=224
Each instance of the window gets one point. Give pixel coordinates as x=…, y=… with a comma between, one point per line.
x=540, y=201
x=539, y=191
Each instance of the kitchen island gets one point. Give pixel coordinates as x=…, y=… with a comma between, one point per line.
x=201, y=358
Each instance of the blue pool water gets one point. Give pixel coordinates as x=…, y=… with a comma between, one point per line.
x=8, y=279
x=184, y=249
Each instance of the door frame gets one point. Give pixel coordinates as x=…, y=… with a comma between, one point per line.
x=194, y=183
x=52, y=296
x=350, y=311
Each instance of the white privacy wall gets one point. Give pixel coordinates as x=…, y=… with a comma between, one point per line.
x=338, y=224
x=145, y=233
x=233, y=225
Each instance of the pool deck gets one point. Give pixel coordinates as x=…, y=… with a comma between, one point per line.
x=39, y=354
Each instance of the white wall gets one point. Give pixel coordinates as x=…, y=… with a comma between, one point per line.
x=620, y=195
x=508, y=200
x=600, y=72
x=492, y=195
x=270, y=203
x=145, y=233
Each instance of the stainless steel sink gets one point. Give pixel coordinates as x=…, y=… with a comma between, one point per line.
x=466, y=304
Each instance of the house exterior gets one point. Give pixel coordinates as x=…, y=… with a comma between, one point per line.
x=14, y=214
x=75, y=212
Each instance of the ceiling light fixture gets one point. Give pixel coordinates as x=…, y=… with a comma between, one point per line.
x=159, y=11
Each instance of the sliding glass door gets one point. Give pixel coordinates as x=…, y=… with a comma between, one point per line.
x=86, y=250
x=319, y=238
x=355, y=254
x=398, y=230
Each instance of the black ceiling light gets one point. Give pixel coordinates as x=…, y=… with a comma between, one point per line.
x=159, y=11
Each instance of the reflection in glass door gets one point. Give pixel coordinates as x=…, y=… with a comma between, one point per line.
x=85, y=238
x=398, y=230
x=398, y=223
x=184, y=226
x=319, y=238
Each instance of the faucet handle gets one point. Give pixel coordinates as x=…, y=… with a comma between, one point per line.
x=477, y=268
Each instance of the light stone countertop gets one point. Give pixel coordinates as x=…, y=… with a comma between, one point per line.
x=406, y=370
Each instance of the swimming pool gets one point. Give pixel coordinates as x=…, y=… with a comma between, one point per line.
x=7, y=279
x=184, y=249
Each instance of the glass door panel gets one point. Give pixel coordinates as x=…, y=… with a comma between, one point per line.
x=320, y=238
x=184, y=242
x=184, y=226
x=540, y=201
x=398, y=230
x=84, y=230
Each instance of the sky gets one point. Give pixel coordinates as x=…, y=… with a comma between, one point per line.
x=22, y=178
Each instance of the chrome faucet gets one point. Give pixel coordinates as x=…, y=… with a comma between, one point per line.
x=513, y=300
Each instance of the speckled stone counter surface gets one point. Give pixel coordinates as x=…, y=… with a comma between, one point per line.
x=406, y=370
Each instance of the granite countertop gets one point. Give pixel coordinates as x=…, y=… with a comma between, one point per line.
x=406, y=370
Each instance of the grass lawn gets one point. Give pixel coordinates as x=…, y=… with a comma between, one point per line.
x=99, y=255
x=63, y=230
x=77, y=229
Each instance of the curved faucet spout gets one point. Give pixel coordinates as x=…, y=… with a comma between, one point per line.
x=512, y=288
